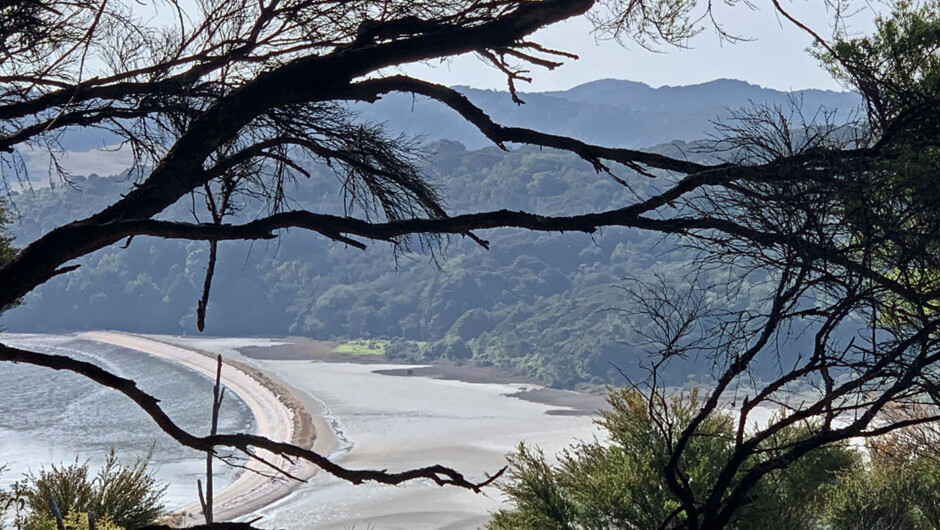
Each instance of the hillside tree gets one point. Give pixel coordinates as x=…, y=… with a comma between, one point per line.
x=835, y=260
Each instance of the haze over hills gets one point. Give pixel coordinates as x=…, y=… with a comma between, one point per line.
x=609, y=112
x=550, y=306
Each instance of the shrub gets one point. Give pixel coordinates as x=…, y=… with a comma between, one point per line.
x=120, y=496
x=621, y=482
x=618, y=484
x=79, y=521
x=889, y=491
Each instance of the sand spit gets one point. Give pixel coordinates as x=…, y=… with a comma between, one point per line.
x=399, y=423
x=366, y=419
x=280, y=416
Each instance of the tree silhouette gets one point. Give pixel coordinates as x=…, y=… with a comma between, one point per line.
x=228, y=102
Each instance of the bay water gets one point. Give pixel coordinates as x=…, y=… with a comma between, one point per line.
x=58, y=417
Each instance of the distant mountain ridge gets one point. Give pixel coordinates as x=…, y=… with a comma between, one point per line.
x=611, y=112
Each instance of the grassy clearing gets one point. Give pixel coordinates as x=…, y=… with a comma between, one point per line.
x=362, y=347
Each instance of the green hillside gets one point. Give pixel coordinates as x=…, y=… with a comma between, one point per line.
x=549, y=306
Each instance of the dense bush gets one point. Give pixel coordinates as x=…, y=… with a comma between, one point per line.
x=120, y=496
x=619, y=482
x=892, y=490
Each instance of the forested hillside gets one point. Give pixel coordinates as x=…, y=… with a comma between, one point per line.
x=550, y=306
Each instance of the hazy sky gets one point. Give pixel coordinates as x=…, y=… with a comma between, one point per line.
x=774, y=58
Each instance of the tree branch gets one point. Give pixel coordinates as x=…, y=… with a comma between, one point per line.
x=305, y=80
x=439, y=474
x=500, y=135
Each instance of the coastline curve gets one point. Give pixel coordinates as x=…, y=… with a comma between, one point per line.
x=279, y=415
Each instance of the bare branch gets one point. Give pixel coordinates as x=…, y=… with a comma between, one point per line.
x=246, y=443
x=500, y=135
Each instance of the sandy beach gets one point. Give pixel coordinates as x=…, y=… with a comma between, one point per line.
x=402, y=422
x=370, y=414
x=275, y=416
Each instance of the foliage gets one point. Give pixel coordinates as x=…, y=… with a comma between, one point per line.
x=894, y=208
x=9, y=501
x=543, y=306
x=121, y=496
x=901, y=481
x=796, y=497
x=6, y=241
x=225, y=104
x=897, y=68
x=362, y=347
x=75, y=520
x=835, y=235
x=882, y=494
x=620, y=482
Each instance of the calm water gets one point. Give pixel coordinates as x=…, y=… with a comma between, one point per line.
x=51, y=417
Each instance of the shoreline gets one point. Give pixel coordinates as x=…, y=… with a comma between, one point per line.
x=282, y=413
x=373, y=415
x=401, y=423
x=569, y=402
